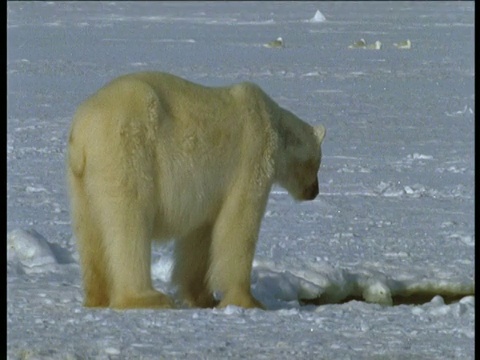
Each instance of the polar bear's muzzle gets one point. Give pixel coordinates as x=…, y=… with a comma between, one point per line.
x=311, y=192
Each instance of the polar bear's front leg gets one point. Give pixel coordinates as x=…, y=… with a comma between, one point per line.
x=192, y=258
x=233, y=247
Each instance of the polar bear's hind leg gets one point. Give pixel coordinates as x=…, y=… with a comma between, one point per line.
x=128, y=250
x=89, y=244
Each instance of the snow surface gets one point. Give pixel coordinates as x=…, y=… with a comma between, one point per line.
x=394, y=222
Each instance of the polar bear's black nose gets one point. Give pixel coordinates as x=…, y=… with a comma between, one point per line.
x=311, y=192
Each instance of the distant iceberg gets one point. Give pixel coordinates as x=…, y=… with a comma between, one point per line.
x=362, y=44
x=319, y=17
x=377, y=45
x=275, y=43
x=407, y=44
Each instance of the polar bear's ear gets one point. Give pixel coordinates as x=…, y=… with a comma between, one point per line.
x=320, y=132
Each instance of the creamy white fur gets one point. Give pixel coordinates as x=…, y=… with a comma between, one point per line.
x=153, y=156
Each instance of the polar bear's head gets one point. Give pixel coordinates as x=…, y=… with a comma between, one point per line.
x=300, y=158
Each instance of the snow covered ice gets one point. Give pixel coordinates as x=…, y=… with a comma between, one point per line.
x=394, y=221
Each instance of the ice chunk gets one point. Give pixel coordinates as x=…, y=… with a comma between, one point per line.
x=362, y=44
x=377, y=45
x=319, y=17
x=275, y=43
x=407, y=44
x=377, y=292
x=30, y=249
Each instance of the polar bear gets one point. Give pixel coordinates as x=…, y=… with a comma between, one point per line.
x=154, y=156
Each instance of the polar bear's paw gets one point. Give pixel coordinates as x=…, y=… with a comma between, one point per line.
x=98, y=301
x=205, y=301
x=149, y=300
x=244, y=300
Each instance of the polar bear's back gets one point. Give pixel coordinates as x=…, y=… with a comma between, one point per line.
x=155, y=129
x=180, y=98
